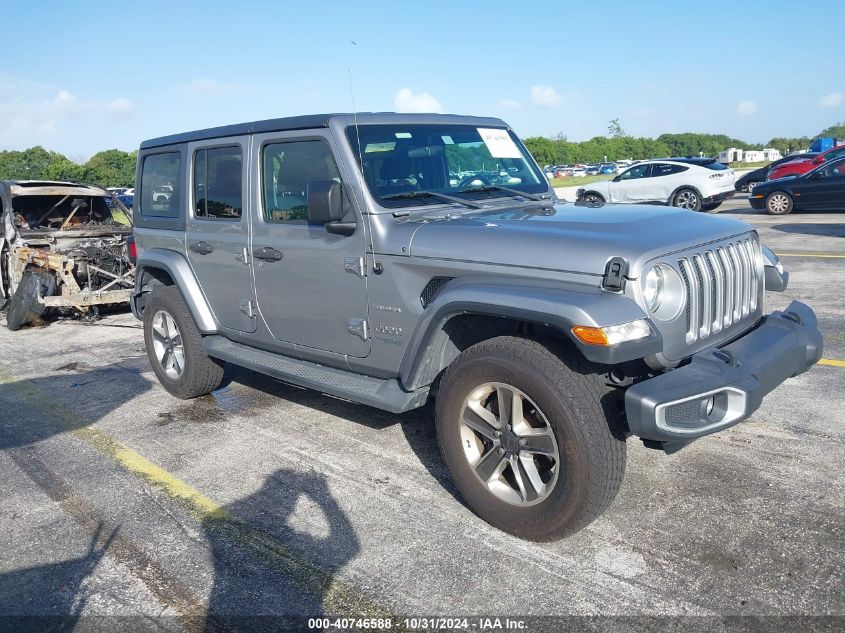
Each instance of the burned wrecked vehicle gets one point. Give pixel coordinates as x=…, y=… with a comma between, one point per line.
x=62, y=246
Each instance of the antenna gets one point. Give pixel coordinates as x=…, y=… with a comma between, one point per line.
x=364, y=211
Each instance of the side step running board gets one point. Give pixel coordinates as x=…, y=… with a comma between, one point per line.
x=381, y=393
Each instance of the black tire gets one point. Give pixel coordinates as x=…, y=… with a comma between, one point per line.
x=24, y=306
x=200, y=374
x=749, y=186
x=592, y=199
x=687, y=198
x=779, y=203
x=580, y=409
x=711, y=207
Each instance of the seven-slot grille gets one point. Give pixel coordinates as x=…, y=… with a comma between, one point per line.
x=723, y=286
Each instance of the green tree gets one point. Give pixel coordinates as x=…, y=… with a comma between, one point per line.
x=111, y=168
x=836, y=131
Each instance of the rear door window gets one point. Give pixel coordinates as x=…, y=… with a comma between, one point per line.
x=160, y=185
x=218, y=186
x=665, y=169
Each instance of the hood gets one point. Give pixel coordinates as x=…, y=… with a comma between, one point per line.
x=571, y=238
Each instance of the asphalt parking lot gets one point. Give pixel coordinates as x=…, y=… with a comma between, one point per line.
x=266, y=499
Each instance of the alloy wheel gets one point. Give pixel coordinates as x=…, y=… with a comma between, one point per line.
x=687, y=200
x=167, y=344
x=509, y=444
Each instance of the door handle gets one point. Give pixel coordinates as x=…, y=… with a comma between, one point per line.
x=203, y=248
x=268, y=254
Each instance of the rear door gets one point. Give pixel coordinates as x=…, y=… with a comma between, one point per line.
x=666, y=178
x=310, y=284
x=217, y=229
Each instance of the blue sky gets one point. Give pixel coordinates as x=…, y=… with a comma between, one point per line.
x=78, y=77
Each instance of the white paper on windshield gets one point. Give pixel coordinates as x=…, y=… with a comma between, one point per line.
x=499, y=143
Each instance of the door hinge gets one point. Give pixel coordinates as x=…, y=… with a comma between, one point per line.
x=355, y=265
x=248, y=308
x=359, y=328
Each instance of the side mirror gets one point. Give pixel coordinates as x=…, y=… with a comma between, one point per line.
x=325, y=206
x=325, y=201
x=616, y=179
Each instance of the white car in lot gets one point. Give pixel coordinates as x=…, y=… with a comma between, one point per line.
x=698, y=184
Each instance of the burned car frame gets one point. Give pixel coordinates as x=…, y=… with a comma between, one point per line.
x=63, y=246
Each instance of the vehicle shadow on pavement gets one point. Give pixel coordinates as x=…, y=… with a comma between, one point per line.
x=417, y=425
x=825, y=230
x=276, y=554
x=71, y=397
x=46, y=597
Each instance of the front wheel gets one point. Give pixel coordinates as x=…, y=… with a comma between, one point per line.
x=174, y=347
x=687, y=199
x=778, y=203
x=531, y=437
x=24, y=306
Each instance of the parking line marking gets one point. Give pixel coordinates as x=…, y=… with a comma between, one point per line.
x=337, y=596
x=832, y=362
x=817, y=255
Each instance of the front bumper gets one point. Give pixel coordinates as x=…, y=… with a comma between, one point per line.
x=721, y=387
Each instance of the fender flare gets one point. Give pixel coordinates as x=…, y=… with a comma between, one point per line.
x=179, y=270
x=558, y=306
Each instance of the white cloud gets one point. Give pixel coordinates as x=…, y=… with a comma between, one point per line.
x=746, y=106
x=33, y=113
x=406, y=101
x=545, y=96
x=204, y=86
x=510, y=104
x=833, y=100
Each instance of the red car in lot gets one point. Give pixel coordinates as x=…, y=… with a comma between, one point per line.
x=803, y=165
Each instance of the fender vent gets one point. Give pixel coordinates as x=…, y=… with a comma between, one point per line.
x=432, y=289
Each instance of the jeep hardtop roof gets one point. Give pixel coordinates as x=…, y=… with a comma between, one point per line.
x=311, y=121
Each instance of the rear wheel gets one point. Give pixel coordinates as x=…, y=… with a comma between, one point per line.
x=778, y=203
x=174, y=347
x=527, y=432
x=24, y=306
x=687, y=199
x=749, y=187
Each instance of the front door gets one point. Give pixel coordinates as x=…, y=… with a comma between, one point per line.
x=310, y=284
x=824, y=189
x=217, y=231
x=632, y=186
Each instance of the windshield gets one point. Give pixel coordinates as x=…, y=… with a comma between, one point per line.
x=456, y=160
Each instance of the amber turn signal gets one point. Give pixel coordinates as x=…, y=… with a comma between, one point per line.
x=590, y=335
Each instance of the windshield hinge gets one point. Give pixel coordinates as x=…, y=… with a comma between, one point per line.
x=355, y=265
x=359, y=328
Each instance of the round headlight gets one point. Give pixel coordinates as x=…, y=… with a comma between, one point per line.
x=652, y=288
x=663, y=292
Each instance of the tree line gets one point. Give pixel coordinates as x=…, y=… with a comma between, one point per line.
x=109, y=168
x=116, y=168
x=618, y=145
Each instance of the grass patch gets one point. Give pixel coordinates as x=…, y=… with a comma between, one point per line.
x=572, y=181
x=745, y=166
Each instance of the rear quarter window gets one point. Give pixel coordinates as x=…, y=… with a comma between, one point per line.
x=160, y=187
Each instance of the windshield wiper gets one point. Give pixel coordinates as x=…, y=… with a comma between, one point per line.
x=515, y=192
x=411, y=195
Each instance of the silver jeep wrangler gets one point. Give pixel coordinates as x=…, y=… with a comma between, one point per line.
x=395, y=259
